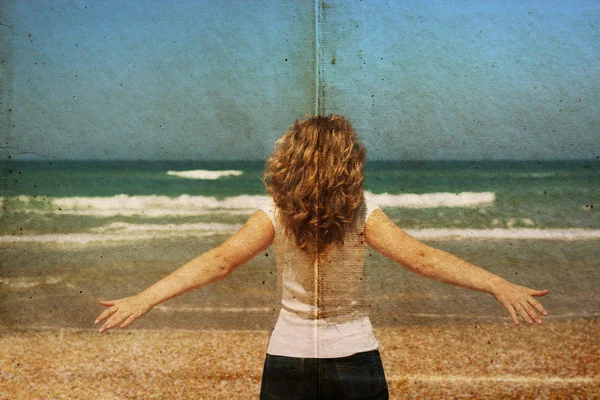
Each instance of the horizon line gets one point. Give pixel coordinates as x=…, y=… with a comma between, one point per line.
x=264, y=160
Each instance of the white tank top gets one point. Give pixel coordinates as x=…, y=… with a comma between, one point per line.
x=323, y=311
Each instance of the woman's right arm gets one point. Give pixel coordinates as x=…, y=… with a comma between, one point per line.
x=387, y=238
x=251, y=239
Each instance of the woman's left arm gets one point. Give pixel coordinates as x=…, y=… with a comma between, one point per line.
x=256, y=235
x=387, y=238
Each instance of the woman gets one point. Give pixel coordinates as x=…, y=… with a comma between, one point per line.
x=323, y=344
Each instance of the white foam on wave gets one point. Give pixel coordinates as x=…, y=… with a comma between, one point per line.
x=500, y=233
x=123, y=202
x=150, y=212
x=204, y=174
x=85, y=238
x=432, y=200
x=124, y=232
x=185, y=205
x=540, y=174
x=157, y=205
x=25, y=282
x=210, y=227
x=511, y=222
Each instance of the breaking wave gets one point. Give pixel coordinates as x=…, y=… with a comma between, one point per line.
x=154, y=205
x=432, y=200
x=204, y=174
x=123, y=232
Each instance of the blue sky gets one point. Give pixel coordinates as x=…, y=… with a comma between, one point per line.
x=222, y=80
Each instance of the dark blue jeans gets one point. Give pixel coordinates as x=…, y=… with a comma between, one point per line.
x=359, y=376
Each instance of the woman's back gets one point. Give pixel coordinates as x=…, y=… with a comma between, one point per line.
x=324, y=313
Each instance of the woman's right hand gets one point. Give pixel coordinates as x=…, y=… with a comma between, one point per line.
x=122, y=311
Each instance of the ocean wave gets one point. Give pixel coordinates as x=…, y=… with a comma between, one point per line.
x=25, y=282
x=211, y=227
x=204, y=174
x=511, y=222
x=131, y=232
x=540, y=174
x=150, y=206
x=86, y=238
x=186, y=205
x=180, y=203
x=432, y=200
x=500, y=233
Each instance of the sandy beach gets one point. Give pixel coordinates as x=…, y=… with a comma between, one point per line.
x=556, y=360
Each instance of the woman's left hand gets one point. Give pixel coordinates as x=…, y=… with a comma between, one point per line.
x=516, y=298
x=123, y=311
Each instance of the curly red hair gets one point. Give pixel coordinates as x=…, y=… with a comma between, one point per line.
x=315, y=176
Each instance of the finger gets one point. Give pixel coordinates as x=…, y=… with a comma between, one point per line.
x=112, y=321
x=523, y=313
x=128, y=321
x=105, y=314
x=538, y=306
x=512, y=313
x=532, y=313
x=107, y=302
x=539, y=292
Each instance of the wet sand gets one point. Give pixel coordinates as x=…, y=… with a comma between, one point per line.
x=51, y=285
x=556, y=360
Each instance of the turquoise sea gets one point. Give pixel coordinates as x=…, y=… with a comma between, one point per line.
x=549, y=194
x=76, y=231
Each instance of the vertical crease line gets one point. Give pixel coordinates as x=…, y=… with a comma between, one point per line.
x=317, y=110
x=317, y=49
x=316, y=272
x=318, y=266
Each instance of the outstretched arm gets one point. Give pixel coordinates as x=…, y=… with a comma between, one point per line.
x=256, y=235
x=388, y=239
